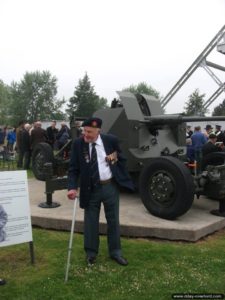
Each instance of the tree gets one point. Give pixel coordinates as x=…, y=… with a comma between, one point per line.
x=219, y=110
x=195, y=105
x=85, y=101
x=143, y=88
x=5, y=100
x=34, y=98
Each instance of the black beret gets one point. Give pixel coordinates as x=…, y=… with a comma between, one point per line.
x=218, y=126
x=93, y=122
x=212, y=136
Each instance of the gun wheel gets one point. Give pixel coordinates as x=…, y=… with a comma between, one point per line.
x=41, y=154
x=166, y=187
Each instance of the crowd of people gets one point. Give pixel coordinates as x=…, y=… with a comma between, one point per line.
x=8, y=137
x=201, y=143
x=25, y=137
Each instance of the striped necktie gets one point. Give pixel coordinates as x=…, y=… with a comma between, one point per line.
x=94, y=166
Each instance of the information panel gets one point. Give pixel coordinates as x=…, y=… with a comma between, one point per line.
x=15, y=218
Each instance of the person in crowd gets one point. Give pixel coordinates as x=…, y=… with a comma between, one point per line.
x=78, y=129
x=25, y=147
x=5, y=132
x=198, y=140
x=190, y=151
x=38, y=135
x=19, y=131
x=62, y=138
x=220, y=134
x=208, y=130
x=189, y=132
x=211, y=147
x=51, y=133
x=2, y=138
x=11, y=139
x=98, y=167
x=32, y=126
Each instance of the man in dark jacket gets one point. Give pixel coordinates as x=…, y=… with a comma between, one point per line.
x=25, y=147
x=62, y=138
x=2, y=136
x=38, y=135
x=212, y=147
x=19, y=131
x=51, y=133
x=96, y=161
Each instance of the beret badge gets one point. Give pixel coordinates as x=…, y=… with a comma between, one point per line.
x=94, y=124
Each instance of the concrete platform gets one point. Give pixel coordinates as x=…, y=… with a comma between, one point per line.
x=135, y=220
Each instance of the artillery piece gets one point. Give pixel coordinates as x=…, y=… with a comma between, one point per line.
x=155, y=146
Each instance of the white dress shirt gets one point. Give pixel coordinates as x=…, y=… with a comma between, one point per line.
x=103, y=167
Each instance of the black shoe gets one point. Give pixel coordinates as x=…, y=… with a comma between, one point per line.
x=91, y=260
x=120, y=260
x=2, y=281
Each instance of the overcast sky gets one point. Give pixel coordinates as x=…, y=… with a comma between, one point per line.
x=117, y=42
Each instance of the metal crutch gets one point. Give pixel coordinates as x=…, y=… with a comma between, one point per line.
x=71, y=239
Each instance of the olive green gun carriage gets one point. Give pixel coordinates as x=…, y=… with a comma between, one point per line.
x=154, y=144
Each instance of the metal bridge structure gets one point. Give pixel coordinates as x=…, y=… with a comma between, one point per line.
x=201, y=61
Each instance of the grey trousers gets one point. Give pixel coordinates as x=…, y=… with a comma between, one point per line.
x=107, y=194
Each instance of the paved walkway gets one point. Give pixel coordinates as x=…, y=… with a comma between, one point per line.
x=135, y=220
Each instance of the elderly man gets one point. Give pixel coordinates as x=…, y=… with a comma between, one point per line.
x=62, y=138
x=51, y=133
x=97, y=162
x=38, y=135
x=25, y=149
x=19, y=131
x=210, y=147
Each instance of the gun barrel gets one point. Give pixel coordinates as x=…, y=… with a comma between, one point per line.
x=199, y=119
x=177, y=119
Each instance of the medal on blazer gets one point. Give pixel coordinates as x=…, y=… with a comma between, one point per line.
x=86, y=157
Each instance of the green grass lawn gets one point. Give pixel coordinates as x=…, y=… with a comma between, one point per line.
x=156, y=269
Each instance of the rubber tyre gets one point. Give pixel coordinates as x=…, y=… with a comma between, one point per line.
x=41, y=154
x=166, y=187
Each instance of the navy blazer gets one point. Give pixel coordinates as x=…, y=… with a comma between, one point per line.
x=79, y=168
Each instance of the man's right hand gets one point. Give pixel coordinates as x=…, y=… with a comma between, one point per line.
x=72, y=194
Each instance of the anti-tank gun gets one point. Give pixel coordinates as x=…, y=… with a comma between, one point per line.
x=155, y=147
